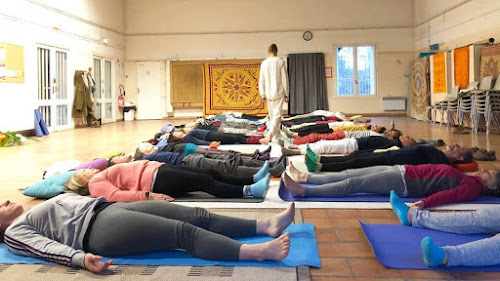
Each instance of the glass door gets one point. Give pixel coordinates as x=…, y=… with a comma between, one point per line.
x=53, y=99
x=103, y=96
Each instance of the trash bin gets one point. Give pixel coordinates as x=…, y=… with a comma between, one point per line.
x=129, y=113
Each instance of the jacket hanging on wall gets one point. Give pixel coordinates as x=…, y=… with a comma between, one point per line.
x=82, y=102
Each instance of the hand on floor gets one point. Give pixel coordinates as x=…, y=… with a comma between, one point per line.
x=93, y=263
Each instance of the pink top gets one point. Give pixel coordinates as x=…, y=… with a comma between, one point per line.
x=127, y=182
x=100, y=164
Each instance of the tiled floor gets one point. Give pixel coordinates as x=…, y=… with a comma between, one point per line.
x=345, y=253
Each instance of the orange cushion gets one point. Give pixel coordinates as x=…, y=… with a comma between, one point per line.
x=467, y=167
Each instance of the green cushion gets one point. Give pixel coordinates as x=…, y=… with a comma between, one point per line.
x=49, y=187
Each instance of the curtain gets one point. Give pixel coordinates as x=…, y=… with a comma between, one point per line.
x=439, y=77
x=461, y=62
x=307, y=83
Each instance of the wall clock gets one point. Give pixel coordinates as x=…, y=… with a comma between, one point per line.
x=307, y=36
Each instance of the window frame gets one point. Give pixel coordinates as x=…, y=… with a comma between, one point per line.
x=355, y=95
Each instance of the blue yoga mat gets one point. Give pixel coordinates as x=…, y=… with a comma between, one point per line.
x=398, y=246
x=287, y=196
x=303, y=251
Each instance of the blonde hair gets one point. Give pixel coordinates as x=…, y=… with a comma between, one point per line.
x=76, y=184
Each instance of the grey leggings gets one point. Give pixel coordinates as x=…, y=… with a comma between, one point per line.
x=483, y=252
x=377, y=179
x=146, y=227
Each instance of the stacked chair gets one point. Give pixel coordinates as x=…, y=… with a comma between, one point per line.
x=493, y=106
x=479, y=102
x=465, y=104
x=451, y=105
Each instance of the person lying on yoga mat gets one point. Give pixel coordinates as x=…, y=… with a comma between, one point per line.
x=311, y=120
x=223, y=163
x=72, y=165
x=412, y=155
x=230, y=163
x=347, y=146
x=484, y=252
x=337, y=135
x=205, y=137
x=224, y=128
x=144, y=149
x=441, y=184
x=322, y=128
x=85, y=229
x=150, y=180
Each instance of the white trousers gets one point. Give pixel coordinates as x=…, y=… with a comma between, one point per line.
x=343, y=146
x=274, y=108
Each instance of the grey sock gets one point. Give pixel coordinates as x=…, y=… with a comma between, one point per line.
x=247, y=190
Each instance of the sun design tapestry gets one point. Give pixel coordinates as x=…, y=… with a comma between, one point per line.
x=420, y=89
x=461, y=63
x=439, y=73
x=490, y=61
x=232, y=87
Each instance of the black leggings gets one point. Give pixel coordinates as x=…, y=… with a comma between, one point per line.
x=226, y=138
x=147, y=227
x=171, y=180
x=308, y=119
x=353, y=161
x=318, y=129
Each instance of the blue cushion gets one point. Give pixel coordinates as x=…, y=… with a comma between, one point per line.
x=49, y=187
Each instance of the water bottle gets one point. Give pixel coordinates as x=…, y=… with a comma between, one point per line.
x=392, y=124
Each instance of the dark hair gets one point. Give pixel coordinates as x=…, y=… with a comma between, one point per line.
x=382, y=130
x=2, y=233
x=496, y=182
x=467, y=157
x=172, y=139
x=397, y=134
x=273, y=49
x=369, y=127
x=138, y=154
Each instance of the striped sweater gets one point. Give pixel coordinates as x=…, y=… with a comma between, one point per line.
x=54, y=229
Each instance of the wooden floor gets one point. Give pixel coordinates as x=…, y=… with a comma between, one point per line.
x=345, y=253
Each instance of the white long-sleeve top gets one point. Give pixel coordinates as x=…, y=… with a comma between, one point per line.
x=273, y=81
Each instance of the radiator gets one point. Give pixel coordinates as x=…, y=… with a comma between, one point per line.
x=394, y=103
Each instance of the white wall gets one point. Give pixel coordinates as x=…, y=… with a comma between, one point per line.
x=196, y=29
x=454, y=23
x=76, y=26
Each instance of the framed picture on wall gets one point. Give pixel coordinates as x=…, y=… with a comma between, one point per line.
x=328, y=72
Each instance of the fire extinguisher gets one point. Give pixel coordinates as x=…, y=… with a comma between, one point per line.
x=121, y=98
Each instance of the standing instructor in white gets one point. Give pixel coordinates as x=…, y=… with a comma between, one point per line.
x=273, y=87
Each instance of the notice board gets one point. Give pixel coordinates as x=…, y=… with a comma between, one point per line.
x=11, y=63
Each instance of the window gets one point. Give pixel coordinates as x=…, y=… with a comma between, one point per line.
x=356, y=71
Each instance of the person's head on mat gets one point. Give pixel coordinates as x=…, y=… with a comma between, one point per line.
x=119, y=159
x=458, y=154
x=490, y=180
x=393, y=134
x=376, y=128
x=9, y=212
x=407, y=140
x=176, y=137
x=79, y=181
x=272, y=50
x=143, y=150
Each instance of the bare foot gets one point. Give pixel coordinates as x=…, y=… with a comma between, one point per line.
x=275, y=225
x=266, y=140
x=276, y=250
x=290, y=145
x=297, y=175
x=295, y=188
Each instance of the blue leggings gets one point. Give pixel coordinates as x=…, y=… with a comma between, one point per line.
x=483, y=252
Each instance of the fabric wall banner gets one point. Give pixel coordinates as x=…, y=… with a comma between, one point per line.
x=420, y=89
x=307, y=83
x=461, y=63
x=232, y=87
x=490, y=61
x=439, y=73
